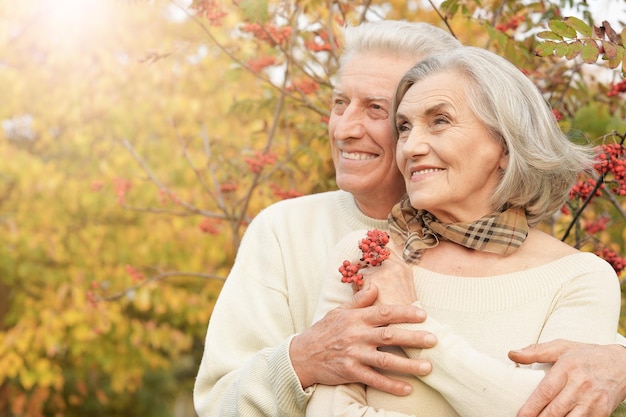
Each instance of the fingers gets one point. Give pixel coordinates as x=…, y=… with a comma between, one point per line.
x=343, y=346
x=580, y=383
x=383, y=315
x=393, y=336
x=391, y=362
x=571, y=402
x=547, y=352
x=544, y=394
x=363, y=298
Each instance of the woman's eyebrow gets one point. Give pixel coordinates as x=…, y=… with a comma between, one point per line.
x=428, y=111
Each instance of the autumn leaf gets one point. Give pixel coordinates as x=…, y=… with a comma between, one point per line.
x=590, y=52
x=578, y=25
x=546, y=48
x=549, y=35
x=574, y=49
x=562, y=29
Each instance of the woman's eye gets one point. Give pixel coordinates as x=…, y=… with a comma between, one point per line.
x=440, y=120
x=403, y=127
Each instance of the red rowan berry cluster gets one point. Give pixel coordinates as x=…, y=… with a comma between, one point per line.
x=610, y=161
x=228, y=187
x=122, y=186
x=284, y=194
x=610, y=164
x=374, y=253
x=268, y=33
x=597, y=226
x=210, y=10
x=617, y=262
x=304, y=85
x=96, y=185
x=135, y=275
x=166, y=196
x=92, y=298
x=511, y=24
x=257, y=64
x=256, y=164
x=209, y=226
x=617, y=88
x=557, y=115
x=319, y=43
x=584, y=188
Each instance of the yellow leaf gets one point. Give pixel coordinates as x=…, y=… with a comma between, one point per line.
x=27, y=379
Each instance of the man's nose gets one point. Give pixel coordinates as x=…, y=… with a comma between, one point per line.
x=350, y=124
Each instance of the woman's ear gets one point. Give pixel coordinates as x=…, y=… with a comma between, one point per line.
x=504, y=160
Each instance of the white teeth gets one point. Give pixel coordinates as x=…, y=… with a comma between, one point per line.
x=425, y=171
x=357, y=156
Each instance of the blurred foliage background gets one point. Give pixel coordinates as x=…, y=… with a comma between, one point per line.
x=140, y=137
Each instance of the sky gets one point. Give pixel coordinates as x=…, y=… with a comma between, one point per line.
x=613, y=11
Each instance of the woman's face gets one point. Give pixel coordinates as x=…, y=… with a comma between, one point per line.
x=450, y=163
x=362, y=143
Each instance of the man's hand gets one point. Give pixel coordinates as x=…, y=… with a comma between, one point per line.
x=585, y=381
x=342, y=347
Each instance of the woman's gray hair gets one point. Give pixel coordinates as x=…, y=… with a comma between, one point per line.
x=396, y=37
x=543, y=163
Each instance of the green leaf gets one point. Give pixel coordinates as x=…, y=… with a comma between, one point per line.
x=590, y=52
x=496, y=36
x=548, y=34
x=560, y=28
x=450, y=7
x=574, y=50
x=578, y=25
x=562, y=48
x=546, y=48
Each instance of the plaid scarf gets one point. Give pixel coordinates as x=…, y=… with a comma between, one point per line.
x=415, y=230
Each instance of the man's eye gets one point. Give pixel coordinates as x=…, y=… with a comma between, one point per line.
x=339, y=105
x=378, y=111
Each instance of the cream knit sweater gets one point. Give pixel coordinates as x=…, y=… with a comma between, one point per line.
x=270, y=295
x=477, y=320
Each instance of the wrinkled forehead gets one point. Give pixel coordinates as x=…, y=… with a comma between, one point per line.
x=376, y=72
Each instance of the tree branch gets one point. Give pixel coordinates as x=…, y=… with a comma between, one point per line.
x=159, y=277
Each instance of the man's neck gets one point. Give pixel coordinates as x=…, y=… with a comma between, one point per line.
x=376, y=209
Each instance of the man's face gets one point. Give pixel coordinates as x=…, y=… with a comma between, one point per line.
x=362, y=144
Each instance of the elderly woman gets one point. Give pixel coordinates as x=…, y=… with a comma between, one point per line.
x=484, y=162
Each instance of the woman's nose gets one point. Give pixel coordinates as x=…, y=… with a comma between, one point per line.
x=415, y=145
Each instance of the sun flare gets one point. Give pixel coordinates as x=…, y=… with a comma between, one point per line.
x=70, y=22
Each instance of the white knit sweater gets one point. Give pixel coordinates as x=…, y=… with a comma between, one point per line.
x=270, y=295
x=477, y=320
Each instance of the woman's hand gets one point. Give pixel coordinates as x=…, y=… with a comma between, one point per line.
x=394, y=280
